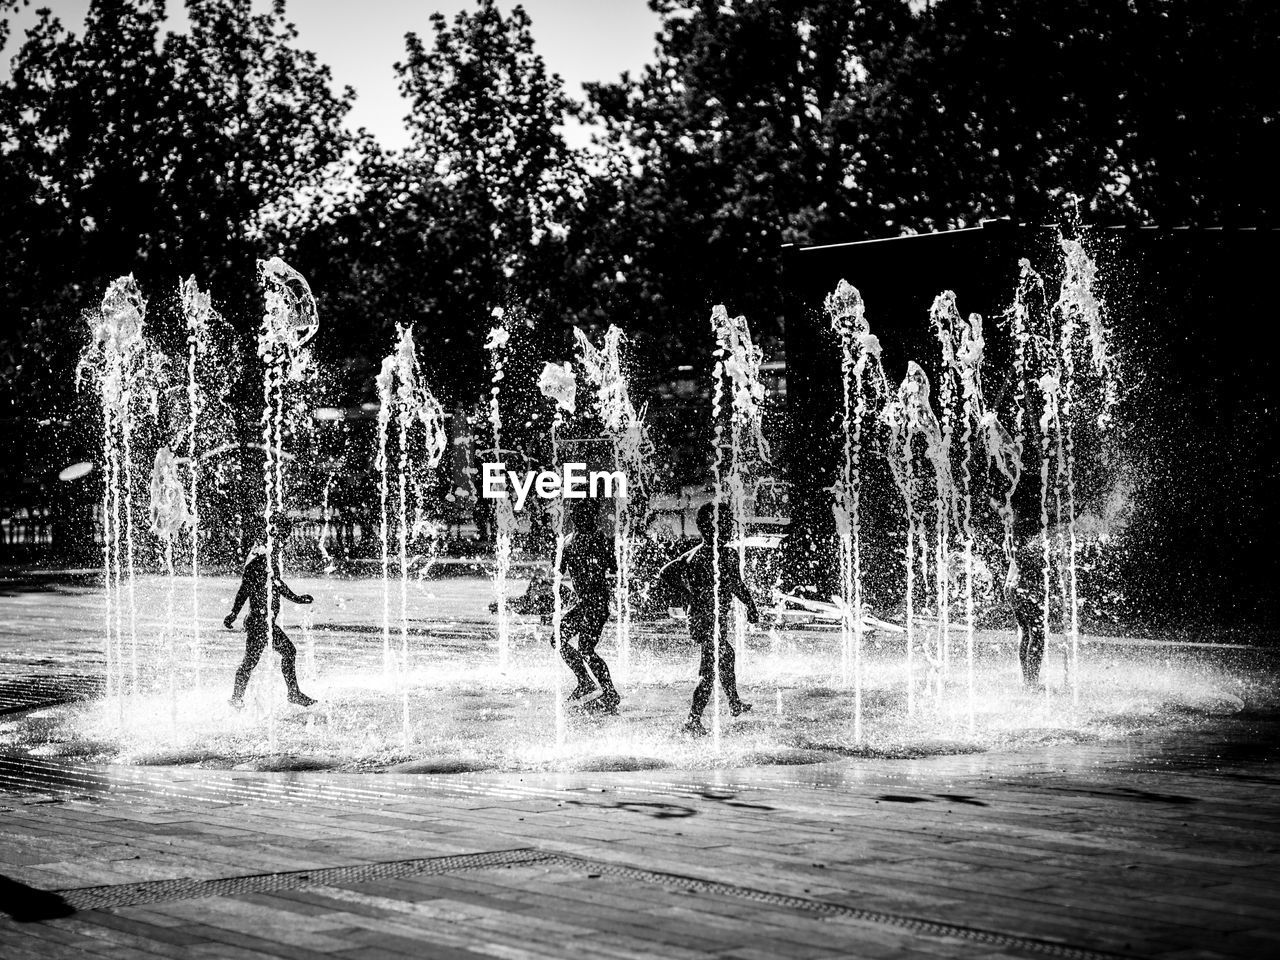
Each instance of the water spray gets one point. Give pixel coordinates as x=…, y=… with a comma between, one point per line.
x=405, y=400
x=289, y=323
x=633, y=453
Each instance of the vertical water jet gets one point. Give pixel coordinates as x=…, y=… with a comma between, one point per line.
x=405, y=400
x=737, y=368
x=633, y=454
x=196, y=312
x=289, y=323
x=860, y=369
x=504, y=517
x=557, y=383
x=119, y=360
x=169, y=517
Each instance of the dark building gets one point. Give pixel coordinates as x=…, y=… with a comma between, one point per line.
x=1193, y=314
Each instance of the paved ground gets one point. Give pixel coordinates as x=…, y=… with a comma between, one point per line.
x=1147, y=848
x=1146, y=826
x=446, y=702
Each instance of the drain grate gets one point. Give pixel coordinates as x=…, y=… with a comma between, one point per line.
x=160, y=891
x=163, y=891
x=933, y=928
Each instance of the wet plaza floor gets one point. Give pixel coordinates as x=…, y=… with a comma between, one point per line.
x=1152, y=834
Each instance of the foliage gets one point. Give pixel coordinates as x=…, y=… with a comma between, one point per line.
x=130, y=148
x=161, y=154
x=1147, y=111
x=470, y=216
x=721, y=151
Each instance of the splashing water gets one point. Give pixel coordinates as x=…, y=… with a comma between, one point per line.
x=504, y=514
x=947, y=322
x=197, y=311
x=169, y=517
x=737, y=369
x=862, y=370
x=1065, y=376
x=633, y=453
x=963, y=351
x=289, y=323
x=1081, y=329
x=122, y=364
x=479, y=717
x=405, y=400
x=557, y=384
x=909, y=417
x=1064, y=385
x=326, y=526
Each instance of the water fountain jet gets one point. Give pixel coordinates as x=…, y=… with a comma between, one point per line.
x=289, y=323
x=632, y=452
x=737, y=370
x=124, y=367
x=405, y=401
x=861, y=370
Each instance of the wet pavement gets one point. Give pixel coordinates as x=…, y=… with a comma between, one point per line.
x=1157, y=838
x=1152, y=847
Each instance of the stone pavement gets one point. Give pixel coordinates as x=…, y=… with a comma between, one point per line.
x=1158, y=846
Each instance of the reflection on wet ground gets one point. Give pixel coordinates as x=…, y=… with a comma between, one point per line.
x=451, y=717
x=1066, y=849
x=1244, y=750
x=451, y=712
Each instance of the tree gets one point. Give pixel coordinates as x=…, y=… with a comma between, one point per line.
x=721, y=151
x=766, y=122
x=79, y=116
x=469, y=217
x=128, y=150
x=261, y=145
x=1148, y=111
x=191, y=155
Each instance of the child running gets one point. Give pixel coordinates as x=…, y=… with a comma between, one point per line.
x=589, y=561
x=253, y=588
x=693, y=575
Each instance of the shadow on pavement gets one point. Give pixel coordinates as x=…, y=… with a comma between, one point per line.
x=29, y=905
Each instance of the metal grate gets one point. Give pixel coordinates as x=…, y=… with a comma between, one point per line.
x=162, y=891
x=138, y=894
x=933, y=928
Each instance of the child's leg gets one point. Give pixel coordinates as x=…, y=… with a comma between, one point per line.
x=1030, y=638
x=572, y=624
x=255, y=642
x=700, y=633
x=288, y=659
x=706, y=677
x=595, y=662
x=1030, y=649
x=1026, y=613
x=728, y=676
x=592, y=627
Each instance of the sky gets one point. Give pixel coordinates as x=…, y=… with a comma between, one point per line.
x=582, y=40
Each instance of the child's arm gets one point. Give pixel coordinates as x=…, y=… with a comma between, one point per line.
x=670, y=580
x=242, y=596
x=282, y=588
x=610, y=559
x=739, y=589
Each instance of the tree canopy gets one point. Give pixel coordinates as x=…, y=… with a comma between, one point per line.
x=128, y=146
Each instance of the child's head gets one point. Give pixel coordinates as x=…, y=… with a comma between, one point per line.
x=584, y=515
x=707, y=520
x=281, y=527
